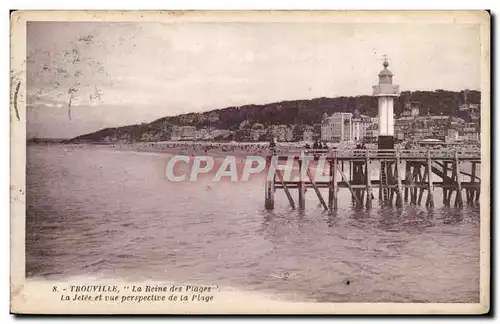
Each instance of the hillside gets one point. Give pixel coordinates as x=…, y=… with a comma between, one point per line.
x=301, y=112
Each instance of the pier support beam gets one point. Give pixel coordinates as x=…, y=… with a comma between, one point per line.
x=369, y=194
x=335, y=183
x=302, y=187
x=458, y=199
x=430, y=188
x=285, y=188
x=318, y=193
x=414, y=180
x=269, y=198
x=332, y=188
x=478, y=190
x=358, y=203
x=445, y=181
x=407, y=179
x=399, y=198
x=472, y=192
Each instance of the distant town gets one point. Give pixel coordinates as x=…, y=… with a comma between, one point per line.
x=348, y=127
x=456, y=121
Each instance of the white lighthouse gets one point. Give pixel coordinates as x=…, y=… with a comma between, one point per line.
x=385, y=91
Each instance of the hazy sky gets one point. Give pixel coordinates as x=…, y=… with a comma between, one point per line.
x=136, y=72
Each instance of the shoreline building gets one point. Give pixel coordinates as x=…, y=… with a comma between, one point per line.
x=360, y=124
x=385, y=91
x=183, y=133
x=343, y=127
x=337, y=127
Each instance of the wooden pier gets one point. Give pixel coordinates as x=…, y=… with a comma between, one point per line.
x=404, y=176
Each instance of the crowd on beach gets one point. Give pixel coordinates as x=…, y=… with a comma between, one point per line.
x=260, y=148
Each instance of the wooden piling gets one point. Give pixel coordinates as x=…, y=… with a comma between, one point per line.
x=388, y=181
x=416, y=178
x=391, y=178
x=411, y=183
x=478, y=190
x=368, y=181
x=422, y=183
x=269, y=198
x=451, y=182
x=399, y=199
x=430, y=187
x=362, y=180
x=384, y=181
x=302, y=188
x=445, y=181
x=458, y=198
x=407, y=179
x=473, y=180
x=335, y=184
x=380, y=183
x=349, y=180
x=330, y=186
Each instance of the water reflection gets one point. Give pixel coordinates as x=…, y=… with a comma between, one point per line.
x=452, y=216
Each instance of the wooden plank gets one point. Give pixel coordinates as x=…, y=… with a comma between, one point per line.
x=349, y=186
x=430, y=188
x=318, y=193
x=287, y=192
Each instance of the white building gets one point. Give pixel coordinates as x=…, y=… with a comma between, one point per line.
x=337, y=127
x=344, y=127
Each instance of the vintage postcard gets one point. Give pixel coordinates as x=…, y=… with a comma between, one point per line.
x=250, y=162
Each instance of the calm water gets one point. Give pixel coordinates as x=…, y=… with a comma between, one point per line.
x=110, y=214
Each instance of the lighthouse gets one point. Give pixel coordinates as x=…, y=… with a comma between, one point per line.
x=386, y=92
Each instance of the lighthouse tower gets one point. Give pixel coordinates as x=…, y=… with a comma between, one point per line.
x=385, y=91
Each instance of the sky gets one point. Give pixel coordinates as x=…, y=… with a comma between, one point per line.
x=128, y=73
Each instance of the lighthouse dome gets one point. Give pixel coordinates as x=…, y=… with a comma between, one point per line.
x=385, y=76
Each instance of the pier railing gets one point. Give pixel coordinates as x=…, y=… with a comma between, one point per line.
x=442, y=153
